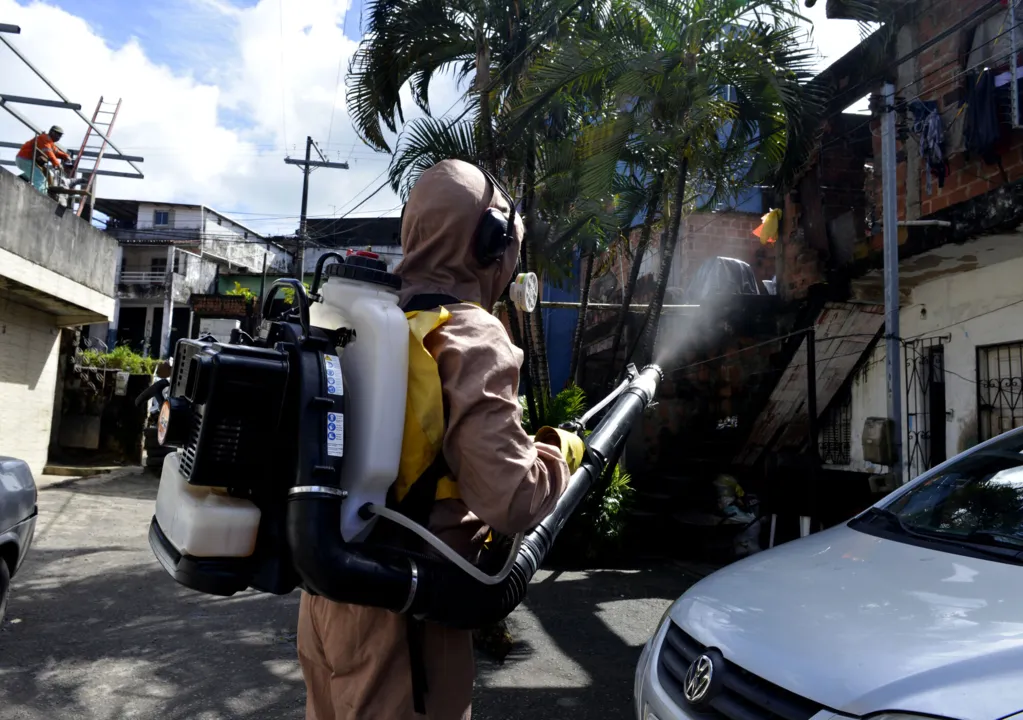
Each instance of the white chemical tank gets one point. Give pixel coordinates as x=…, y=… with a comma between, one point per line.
x=361, y=295
x=204, y=521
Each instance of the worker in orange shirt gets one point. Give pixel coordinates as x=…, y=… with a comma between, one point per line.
x=33, y=156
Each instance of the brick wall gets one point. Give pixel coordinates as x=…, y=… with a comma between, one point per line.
x=726, y=234
x=940, y=75
x=706, y=235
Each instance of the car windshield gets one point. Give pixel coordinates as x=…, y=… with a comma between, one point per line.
x=979, y=497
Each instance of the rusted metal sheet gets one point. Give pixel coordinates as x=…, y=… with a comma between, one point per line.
x=844, y=332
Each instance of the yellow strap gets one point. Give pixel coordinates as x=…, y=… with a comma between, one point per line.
x=447, y=489
x=424, y=420
x=428, y=403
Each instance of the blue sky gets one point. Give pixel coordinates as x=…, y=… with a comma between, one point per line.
x=172, y=30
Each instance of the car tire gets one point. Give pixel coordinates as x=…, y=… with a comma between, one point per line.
x=5, y=588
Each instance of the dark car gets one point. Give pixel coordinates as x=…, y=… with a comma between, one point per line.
x=18, y=512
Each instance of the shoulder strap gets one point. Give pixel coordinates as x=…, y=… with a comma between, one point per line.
x=418, y=501
x=429, y=301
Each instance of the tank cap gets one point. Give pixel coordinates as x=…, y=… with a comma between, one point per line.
x=365, y=267
x=362, y=253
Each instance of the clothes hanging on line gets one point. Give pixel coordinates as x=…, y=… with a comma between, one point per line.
x=928, y=126
x=981, y=130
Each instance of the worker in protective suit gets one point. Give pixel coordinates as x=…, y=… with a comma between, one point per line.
x=463, y=443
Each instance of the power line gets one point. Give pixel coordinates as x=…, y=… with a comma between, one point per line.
x=931, y=331
x=284, y=106
x=337, y=81
x=835, y=140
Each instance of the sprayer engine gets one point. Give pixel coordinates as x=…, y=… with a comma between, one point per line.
x=270, y=488
x=242, y=417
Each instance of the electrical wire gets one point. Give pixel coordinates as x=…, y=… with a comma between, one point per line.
x=994, y=40
x=284, y=104
x=490, y=86
x=337, y=81
x=932, y=331
x=864, y=85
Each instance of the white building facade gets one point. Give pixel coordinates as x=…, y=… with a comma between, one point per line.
x=961, y=322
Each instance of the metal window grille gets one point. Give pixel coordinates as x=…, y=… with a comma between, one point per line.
x=836, y=433
x=925, y=404
x=999, y=389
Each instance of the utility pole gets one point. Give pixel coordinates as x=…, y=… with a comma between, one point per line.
x=307, y=165
x=168, y=305
x=890, y=216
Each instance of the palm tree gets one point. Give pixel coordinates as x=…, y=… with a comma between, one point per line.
x=704, y=82
x=580, y=323
x=495, y=43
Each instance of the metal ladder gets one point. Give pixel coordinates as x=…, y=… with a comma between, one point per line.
x=99, y=145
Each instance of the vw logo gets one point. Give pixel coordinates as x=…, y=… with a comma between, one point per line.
x=698, y=679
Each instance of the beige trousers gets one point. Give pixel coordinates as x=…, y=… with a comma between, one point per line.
x=356, y=666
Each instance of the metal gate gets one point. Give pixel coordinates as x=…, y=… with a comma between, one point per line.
x=925, y=404
x=999, y=389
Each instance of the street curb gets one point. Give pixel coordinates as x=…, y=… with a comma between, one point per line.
x=79, y=471
x=91, y=474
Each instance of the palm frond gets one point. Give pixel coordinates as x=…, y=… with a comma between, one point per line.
x=424, y=143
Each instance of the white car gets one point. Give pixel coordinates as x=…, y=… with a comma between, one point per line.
x=913, y=610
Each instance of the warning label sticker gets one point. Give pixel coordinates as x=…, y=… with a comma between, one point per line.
x=335, y=434
x=332, y=367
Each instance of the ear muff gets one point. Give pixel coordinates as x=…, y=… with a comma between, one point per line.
x=495, y=231
x=491, y=237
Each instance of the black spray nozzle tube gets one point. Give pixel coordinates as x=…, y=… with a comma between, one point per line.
x=433, y=589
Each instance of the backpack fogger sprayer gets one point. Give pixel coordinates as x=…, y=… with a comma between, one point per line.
x=287, y=443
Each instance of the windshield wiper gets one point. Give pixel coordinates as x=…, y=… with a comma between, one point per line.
x=980, y=541
x=994, y=538
x=892, y=519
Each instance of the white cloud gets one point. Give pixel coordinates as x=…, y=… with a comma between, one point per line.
x=215, y=135
x=212, y=130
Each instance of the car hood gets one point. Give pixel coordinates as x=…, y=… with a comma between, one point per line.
x=862, y=624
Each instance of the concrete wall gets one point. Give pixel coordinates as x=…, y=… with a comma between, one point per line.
x=33, y=227
x=970, y=310
x=28, y=376
x=181, y=217
x=238, y=244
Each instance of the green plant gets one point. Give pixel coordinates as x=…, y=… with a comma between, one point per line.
x=121, y=357
x=567, y=405
x=288, y=294
x=242, y=291
x=597, y=528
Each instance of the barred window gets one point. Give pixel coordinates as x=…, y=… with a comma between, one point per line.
x=999, y=388
x=836, y=433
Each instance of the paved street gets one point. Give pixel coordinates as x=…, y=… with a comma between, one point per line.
x=97, y=631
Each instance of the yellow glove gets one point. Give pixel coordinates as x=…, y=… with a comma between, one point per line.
x=570, y=444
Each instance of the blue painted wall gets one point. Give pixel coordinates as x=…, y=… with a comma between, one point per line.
x=559, y=325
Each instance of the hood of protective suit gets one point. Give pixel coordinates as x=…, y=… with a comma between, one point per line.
x=438, y=235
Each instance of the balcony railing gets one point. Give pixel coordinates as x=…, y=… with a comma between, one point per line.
x=134, y=277
x=157, y=236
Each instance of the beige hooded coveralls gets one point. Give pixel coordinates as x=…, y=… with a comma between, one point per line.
x=355, y=659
